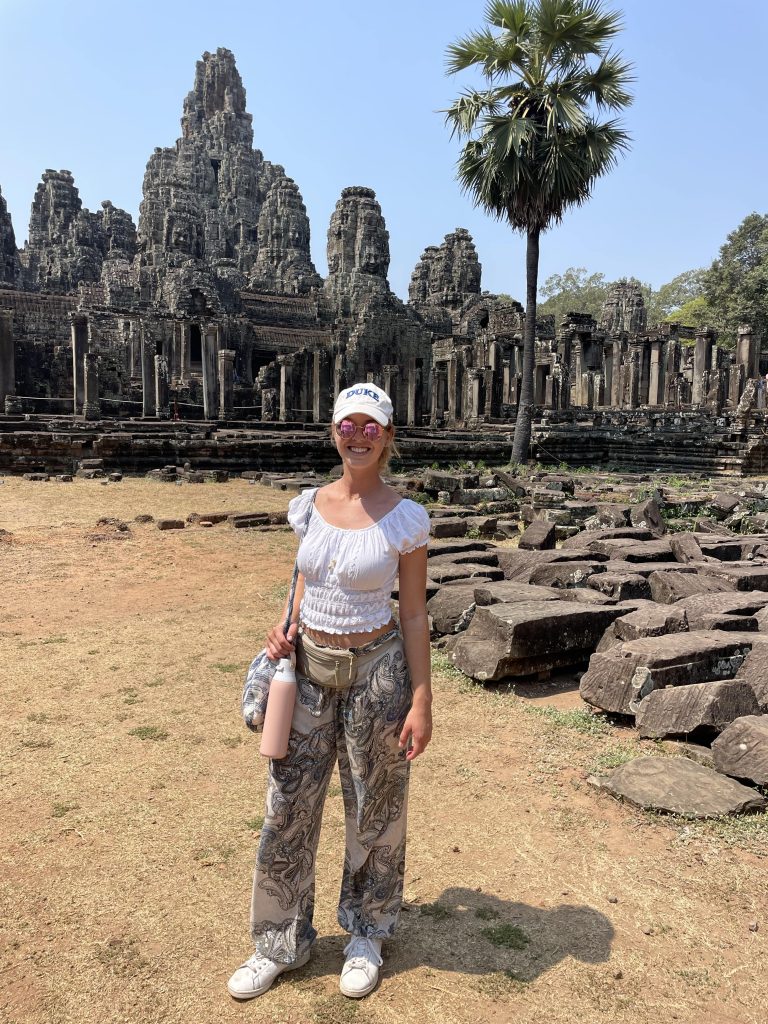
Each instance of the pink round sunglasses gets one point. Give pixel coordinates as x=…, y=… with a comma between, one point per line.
x=371, y=430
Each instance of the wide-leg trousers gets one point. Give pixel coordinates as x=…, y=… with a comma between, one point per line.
x=360, y=727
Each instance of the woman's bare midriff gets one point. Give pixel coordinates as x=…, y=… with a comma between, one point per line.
x=345, y=641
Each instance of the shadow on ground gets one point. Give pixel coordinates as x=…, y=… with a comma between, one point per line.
x=470, y=932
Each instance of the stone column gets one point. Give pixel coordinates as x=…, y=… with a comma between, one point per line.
x=748, y=351
x=439, y=395
x=7, y=357
x=91, y=408
x=148, y=397
x=79, y=331
x=616, y=375
x=226, y=383
x=162, y=403
x=174, y=369
x=634, y=378
x=735, y=384
x=578, y=372
x=475, y=393
x=134, y=340
x=413, y=384
x=286, y=387
x=322, y=389
x=210, y=382
x=185, y=358
x=702, y=363
x=655, y=385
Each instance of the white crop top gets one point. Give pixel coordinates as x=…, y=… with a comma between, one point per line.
x=349, y=574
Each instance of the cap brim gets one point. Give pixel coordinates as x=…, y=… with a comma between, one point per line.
x=353, y=408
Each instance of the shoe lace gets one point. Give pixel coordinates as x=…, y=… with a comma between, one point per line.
x=257, y=962
x=361, y=951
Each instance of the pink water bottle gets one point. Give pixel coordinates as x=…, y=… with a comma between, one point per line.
x=280, y=704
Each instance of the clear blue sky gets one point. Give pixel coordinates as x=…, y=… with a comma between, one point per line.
x=347, y=93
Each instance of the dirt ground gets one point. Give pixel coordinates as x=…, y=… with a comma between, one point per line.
x=131, y=800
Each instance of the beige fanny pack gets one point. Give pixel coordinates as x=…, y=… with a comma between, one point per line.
x=337, y=668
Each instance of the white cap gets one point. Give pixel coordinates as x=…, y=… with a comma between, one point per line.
x=367, y=399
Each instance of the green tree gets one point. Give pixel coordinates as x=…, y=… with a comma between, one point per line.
x=533, y=144
x=573, y=291
x=683, y=289
x=736, y=285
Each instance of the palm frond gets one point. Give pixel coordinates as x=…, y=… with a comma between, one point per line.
x=468, y=51
x=468, y=108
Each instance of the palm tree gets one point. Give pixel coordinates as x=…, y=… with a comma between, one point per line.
x=533, y=145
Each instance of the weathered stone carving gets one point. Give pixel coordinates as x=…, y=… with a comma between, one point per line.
x=203, y=197
x=624, y=309
x=283, y=263
x=67, y=243
x=10, y=267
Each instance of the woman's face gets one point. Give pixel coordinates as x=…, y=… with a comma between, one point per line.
x=360, y=450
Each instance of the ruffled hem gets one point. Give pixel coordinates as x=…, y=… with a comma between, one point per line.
x=350, y=627
x=415, y=547
x=330, y=620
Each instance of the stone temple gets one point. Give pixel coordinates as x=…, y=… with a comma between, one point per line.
x=204, y=332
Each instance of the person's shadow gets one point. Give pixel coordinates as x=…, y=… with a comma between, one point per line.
x=475, y=933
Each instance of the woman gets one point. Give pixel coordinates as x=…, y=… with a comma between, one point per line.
x=355, y=540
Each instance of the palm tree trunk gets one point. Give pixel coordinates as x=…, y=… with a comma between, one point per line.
x=524, y=423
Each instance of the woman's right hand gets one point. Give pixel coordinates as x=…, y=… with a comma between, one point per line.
x=279, y=644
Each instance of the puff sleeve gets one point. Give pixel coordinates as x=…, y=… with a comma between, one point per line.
x=298, y=508
x=409, y=526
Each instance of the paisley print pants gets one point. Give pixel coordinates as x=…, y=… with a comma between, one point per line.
x=360, y=727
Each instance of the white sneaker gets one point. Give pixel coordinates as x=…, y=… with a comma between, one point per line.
x=256, y=975
x=360, y=972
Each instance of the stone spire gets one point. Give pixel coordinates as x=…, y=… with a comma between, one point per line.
x=68, y=243
x=447, y=275
x=203, y=197
x=10, y=268
x=283, y=263
x=358, y=249
x=624, y=309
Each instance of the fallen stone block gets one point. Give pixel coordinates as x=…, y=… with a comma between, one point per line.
x=754, y=671
x=695, y=751
x=440, y=480
x=677, y=785
x=726, y=550
x=564, y=574
x=539, y=536
x=647, y=515
x=619, y=678
x=739, y=577
x=40, y=477
x=723, y=504
x=651, y=620
x=646, y=568
x=170, y=524
x=478, y=494
x=507, y=529
x=516, y=487
x=625, y=533
x=741, y=750
x=483, y=524
x=459, y=557
x=208, y=517
x=734, y=623
x=457, y=546
x=510, y=592
x=700, y=710
x=452, y=609
x=685, y=548
x=622, y=587
x=449, y=528
x=506, y=640
x=669, y=587
x=700, y=606
x=449, y=571
x=707, y=525
x=618, y=549
x=518, y=565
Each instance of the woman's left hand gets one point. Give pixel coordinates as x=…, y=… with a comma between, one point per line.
x=417, y=729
